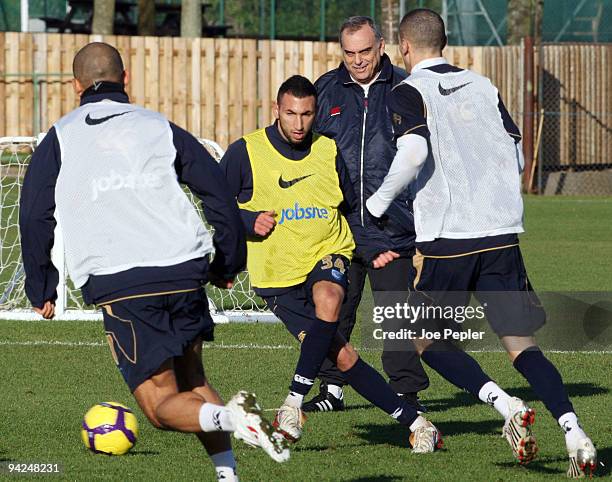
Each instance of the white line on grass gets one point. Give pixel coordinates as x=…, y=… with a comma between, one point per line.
x=52, y=343
x=605, y=200
x=244, y=346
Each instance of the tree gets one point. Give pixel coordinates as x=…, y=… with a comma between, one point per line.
x=389, y=20
x=191, y=18
x=524, y=19
x=146, y=17
x=104, y=17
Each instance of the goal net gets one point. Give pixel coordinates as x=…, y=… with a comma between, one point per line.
x=238, y=304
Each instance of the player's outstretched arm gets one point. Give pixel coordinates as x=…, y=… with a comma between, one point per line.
x=200, y=172
x=412, y=150
x=409, y=118
x=36, y=223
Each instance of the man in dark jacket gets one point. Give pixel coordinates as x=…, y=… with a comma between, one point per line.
x=352, y=110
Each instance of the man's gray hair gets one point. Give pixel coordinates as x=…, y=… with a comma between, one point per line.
x=352, y=24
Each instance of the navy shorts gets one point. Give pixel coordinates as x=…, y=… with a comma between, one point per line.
x=498, y=280
x=144, y=332
x=295, y=307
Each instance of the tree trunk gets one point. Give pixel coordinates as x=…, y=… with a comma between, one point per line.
x=520, y=20
x=191, y=18
x=537, y=22
x=146, y=17
x=389, y=20
x=104, y=17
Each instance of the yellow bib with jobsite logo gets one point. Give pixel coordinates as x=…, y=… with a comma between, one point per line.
x=305, y=196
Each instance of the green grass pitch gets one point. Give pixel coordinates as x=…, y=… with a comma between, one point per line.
x=52, y=372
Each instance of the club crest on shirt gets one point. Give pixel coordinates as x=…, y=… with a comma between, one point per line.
x=397, y=119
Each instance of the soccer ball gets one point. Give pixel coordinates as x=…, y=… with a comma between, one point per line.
x=109, y=428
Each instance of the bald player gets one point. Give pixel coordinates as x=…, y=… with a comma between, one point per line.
x=137, y=248
x=460, y=148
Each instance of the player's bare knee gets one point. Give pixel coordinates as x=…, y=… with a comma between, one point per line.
x=161, y=418
x=515, y=345
x=328, y=299
x=152, y=416
x=150, y=400
x=347, y=357
x=208, y=393
x=421, y=345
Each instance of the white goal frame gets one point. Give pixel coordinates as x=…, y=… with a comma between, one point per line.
x=63, y=311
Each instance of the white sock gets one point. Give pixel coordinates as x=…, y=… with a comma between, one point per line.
x=573, y=431
x=336, y=391
x=215, y=418
x=491, y=394
x=294, y=400
x=225, y=464
x=419, y=422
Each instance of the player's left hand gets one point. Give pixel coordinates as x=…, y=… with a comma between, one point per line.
x=383, y=259
x=47, y=311
x=224, y=284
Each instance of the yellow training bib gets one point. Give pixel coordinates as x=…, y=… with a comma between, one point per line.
x=305, y=196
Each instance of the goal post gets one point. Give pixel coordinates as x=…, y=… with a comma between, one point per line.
x=240, y=304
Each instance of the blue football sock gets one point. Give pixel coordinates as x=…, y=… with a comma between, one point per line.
x=370, y=384
x=545, y=380
x=313, y=351
x=456, y=366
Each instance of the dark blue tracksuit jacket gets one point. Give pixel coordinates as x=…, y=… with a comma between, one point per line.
x=363, y=130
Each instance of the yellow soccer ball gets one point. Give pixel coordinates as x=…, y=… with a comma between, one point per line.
x=109, y=428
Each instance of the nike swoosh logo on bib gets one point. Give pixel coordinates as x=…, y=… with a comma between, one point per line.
x=285, y=184
x=94, y=122
x=444, y=91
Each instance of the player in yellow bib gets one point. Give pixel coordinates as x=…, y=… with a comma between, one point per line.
x=299, y=210
x=306, y=195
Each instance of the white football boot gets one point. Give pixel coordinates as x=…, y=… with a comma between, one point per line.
x=517, y=431
x=255, y=430
x=289, y=421
x=582, y=459
x=426, y=439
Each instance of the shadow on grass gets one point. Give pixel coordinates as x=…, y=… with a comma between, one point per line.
x=396, y=434
x=133, y=453
x=463, y=399
x=313, y=448
x=3, y=456
x=574, y=390
x=605, y=460
x=462, y=427
x=392, y=434
x=539, y=465
x=361, y=406
x=378, y=478
x=348, y=408
x=459, y=399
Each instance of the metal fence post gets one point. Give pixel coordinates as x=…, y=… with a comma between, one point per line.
x=541, y=107
x=528, y=108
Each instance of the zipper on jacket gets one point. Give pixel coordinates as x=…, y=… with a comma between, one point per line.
x=363, y=127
